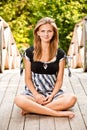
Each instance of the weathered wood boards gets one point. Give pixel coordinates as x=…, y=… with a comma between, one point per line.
x=78, y=46
x=1, y=61
x=12, y=84
x=85, y=45
x=9, y=54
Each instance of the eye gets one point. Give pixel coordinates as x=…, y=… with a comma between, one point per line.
x=42, y=30
x=49, y=30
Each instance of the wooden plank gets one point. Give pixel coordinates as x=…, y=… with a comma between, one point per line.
x=83, y=80
x=47, y=123
x=7, y=103
x=82, y=100
x=76, y=86
x=79, y=85
x=5, y=112
x=4, y=81
x=77, y=123
x=16, y=124
x=62, y=124
x=32, y=122
x=73, y=85
x=17, y=120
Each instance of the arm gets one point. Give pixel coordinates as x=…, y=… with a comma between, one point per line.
x=59, y=80
x=28, y=80
x=28, y=77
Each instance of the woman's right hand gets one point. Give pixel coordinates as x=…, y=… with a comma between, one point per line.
x=39, y=98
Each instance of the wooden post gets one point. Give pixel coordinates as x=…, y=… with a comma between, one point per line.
x=1, y=42
x=85, y=44
x=9, y=57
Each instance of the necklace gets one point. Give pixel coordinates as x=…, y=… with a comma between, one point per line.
x=45, y=66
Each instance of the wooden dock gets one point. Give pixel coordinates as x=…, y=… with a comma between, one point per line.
x=11, y=84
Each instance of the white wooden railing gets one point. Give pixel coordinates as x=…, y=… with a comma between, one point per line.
x=9, y=54
x=78, y=46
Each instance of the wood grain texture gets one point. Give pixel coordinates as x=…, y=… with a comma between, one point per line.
x=11, y=84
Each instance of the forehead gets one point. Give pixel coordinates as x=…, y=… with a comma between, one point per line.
x=46, y=26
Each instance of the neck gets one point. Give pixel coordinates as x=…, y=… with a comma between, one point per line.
x=45, y=47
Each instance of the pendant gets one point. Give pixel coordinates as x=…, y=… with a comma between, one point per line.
x=45, y=66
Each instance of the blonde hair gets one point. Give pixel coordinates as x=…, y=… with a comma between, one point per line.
x=37, y=40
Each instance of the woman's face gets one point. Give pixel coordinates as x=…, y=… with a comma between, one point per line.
x=45, y=32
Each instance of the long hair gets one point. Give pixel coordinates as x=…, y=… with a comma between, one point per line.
x=37, y=40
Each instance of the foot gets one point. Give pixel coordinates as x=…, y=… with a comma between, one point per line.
x=70, y=114
x=66, y=114
x=24, y=112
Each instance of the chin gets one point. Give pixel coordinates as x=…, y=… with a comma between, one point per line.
x=47, y=40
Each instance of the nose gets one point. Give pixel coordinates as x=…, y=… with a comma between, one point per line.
x=46, y=33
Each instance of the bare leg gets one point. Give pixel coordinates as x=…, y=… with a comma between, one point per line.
x=63, y=102
x=33, y=107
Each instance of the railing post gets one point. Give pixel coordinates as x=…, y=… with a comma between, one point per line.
x=1, y=47
x=85, y=44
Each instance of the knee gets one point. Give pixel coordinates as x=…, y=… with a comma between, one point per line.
x=18, y=100
x=72, y=100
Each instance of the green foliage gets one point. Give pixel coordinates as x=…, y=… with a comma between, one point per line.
x=22, y=15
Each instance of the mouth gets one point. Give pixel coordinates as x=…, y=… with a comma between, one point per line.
x=46, y=37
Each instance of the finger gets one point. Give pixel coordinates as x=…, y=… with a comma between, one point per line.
x=46, y=98
x=46, y=102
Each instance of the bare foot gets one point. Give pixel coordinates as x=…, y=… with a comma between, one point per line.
x=24, y=112
x=70, y=114
x=60, y=113
x=66, y=114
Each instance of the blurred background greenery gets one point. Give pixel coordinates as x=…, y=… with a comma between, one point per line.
x=22, y=16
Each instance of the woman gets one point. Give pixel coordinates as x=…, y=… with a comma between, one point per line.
x=44, y=69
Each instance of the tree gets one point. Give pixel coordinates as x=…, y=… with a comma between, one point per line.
x=22, y=16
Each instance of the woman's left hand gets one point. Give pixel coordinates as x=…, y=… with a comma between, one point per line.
x=48, y=99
